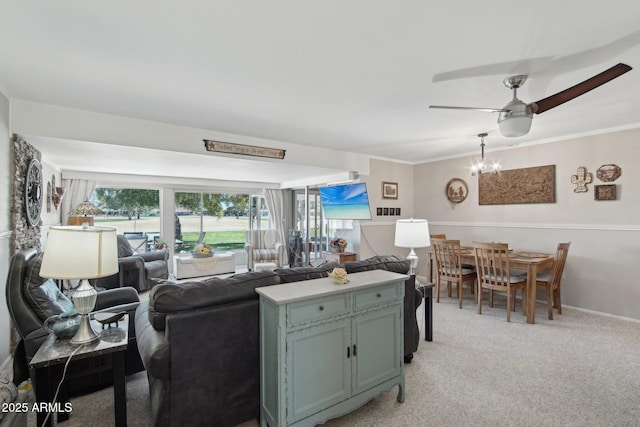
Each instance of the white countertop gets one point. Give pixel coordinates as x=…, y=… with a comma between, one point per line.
x=297, y=291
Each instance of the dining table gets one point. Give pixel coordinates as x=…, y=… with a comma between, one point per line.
x=519, y=260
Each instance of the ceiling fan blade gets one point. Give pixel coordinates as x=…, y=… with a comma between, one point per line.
x=581, y=88
x=488, y=110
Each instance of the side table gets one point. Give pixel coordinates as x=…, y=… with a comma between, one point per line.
x=50, y=359
x=339, y=257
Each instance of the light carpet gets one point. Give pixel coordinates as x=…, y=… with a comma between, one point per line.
x=581, y=369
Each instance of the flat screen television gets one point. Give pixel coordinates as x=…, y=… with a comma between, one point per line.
x=348, y=201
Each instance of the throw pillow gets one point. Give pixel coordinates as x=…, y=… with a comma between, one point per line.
x=43, y=295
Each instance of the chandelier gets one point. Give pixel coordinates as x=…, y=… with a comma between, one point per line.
x=481, y=166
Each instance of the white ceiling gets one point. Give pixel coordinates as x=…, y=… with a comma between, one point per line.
x=354, y=75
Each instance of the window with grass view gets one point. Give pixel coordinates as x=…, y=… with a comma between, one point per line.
x=131, y=211
x=221, y=219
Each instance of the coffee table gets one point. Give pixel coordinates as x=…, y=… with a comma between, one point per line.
x=50, y=359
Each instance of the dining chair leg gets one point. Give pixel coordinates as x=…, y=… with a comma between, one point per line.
x=459, y=286
x=550, y=297
x=524, y=301
x=438, y=289
x=449, y=289
x=557, y=296
x=479, y=300
x=490, y=297
x=509, y=296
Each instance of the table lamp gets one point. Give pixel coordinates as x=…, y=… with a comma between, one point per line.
x=412, y=233
x=83, y=213
x=81, y=252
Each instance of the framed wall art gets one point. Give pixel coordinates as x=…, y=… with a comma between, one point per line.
x=605, y=192
x=389, y=190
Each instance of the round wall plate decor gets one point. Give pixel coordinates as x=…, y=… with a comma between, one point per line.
x=456, y=190
x=608, y=173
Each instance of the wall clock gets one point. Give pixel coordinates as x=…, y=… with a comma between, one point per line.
x=33, y=193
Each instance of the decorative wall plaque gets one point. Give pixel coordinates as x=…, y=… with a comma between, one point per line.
x=608, y=173
x=456, y=190
x=527, y=185
x=581, y=179
x=245, y=150
x=605, y=192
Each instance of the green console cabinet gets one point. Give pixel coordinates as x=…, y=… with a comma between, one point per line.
x=327, y=349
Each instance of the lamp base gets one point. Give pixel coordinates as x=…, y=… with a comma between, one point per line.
x=85, y=334
x=413, y=259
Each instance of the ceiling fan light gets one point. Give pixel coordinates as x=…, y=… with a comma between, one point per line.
x=511, y=127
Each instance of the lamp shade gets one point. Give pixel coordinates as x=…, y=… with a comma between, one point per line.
x=412, y=233
x=80, y=253
x=86, y=208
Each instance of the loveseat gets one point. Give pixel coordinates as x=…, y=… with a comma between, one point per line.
x=200, y=342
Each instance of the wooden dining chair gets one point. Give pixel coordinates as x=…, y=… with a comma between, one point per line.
x=431, y=257
x=449, y=269
x=550, y=280
x=494, y=274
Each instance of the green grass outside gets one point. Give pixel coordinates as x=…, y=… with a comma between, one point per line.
x=216, y=239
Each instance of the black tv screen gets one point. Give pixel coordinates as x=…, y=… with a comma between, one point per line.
x=349, y=201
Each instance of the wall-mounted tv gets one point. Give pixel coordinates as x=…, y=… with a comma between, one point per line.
x=349, y=201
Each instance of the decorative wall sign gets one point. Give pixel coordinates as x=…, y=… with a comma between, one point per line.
x=245, y=150
x=389, y=190
x=528, y=185
x=456, y=190
x=608, y=173
x=605, y=192
x=581, y=179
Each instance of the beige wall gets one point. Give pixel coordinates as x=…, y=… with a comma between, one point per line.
x=377, y=235
x=5, y=224
x=600, y=273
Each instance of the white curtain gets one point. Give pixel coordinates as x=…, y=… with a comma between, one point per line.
x=276, y=205
x=78, y=190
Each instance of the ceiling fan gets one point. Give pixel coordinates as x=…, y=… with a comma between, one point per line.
x=515, y=117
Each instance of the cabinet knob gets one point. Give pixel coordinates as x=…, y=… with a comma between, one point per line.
x=379, y=295
x=321, y=307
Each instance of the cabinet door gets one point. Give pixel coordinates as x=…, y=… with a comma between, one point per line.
x=377, y=341
x=319, y=368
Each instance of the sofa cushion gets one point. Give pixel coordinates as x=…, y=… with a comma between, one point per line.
x=392, y=263
x=168, y=298
x=43, y=295
x=124, y=247
x=297, y=274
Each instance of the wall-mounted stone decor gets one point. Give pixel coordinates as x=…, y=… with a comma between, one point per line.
x=23, y=236
x=581, y=179
x=528, y=185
